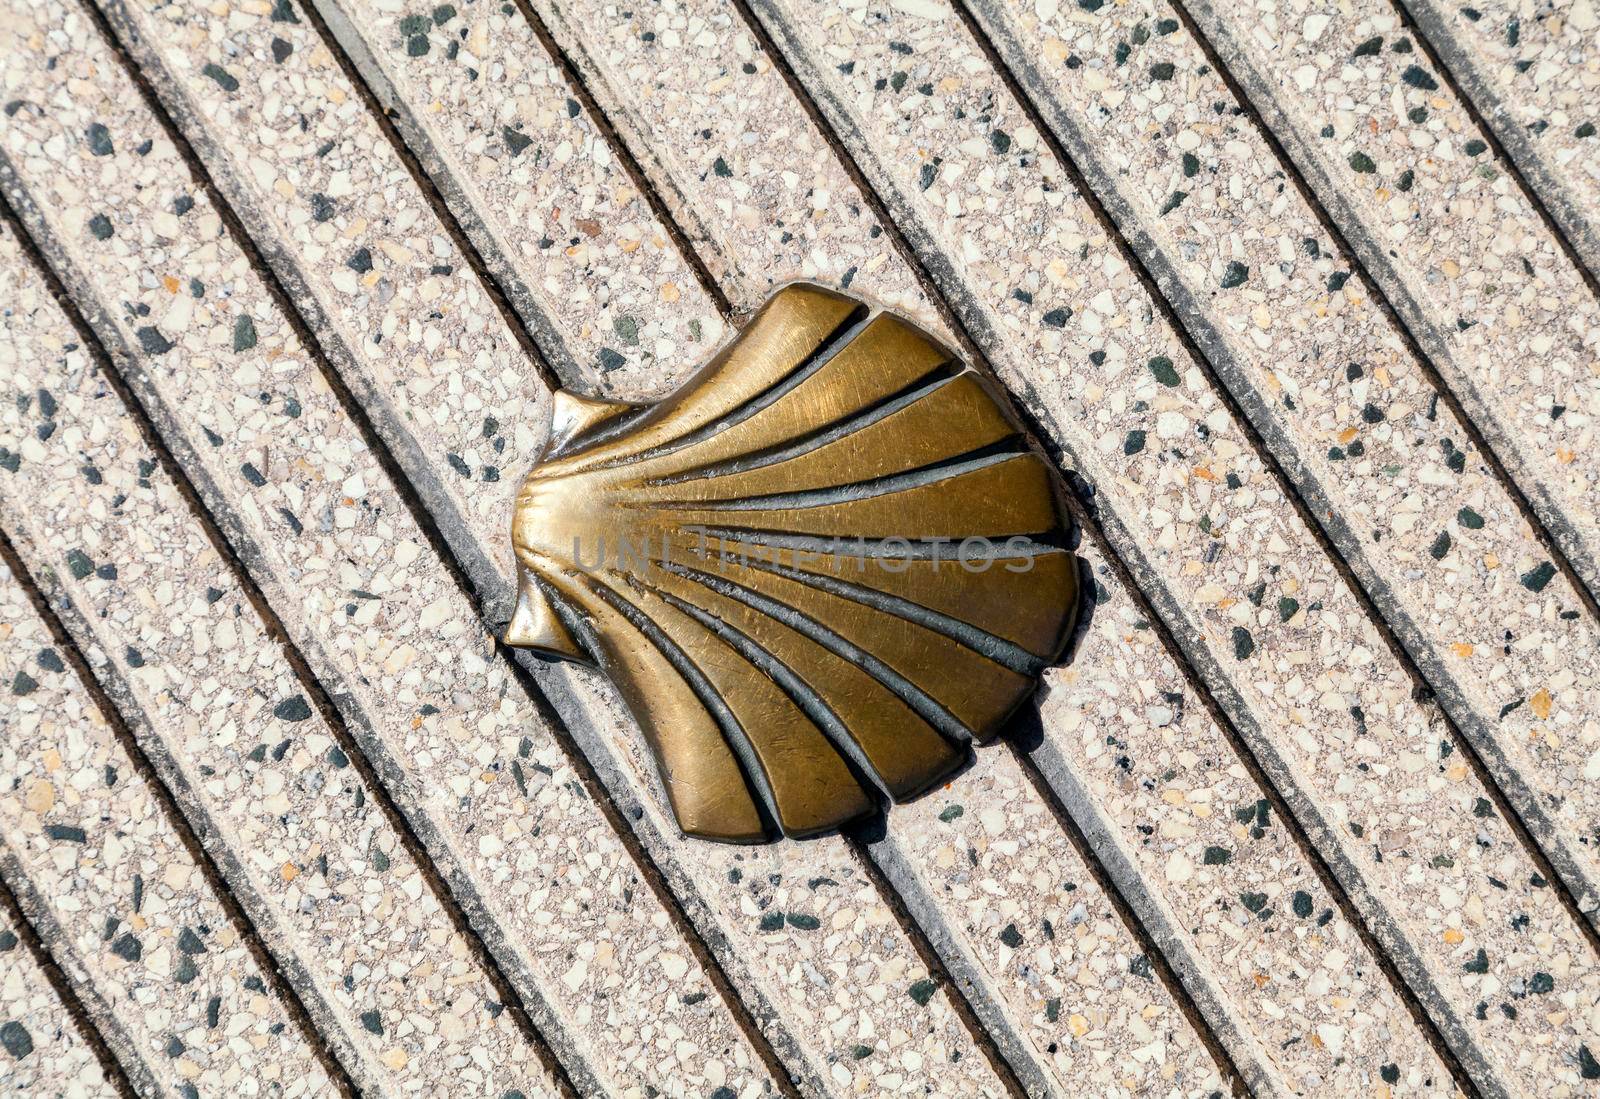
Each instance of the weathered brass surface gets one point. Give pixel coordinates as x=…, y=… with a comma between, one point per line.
x=815, y=572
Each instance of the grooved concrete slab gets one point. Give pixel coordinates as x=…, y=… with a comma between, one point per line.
x=1310, y=808
x=825, y=861
x=1384, y=465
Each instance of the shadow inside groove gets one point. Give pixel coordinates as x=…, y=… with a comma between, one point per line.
x=625, y=155
x=510, y=297
x=860, y=840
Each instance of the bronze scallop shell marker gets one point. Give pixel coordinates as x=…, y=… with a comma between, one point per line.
x=814, y=572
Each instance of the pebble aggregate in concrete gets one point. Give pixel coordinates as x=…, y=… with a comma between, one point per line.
x=119, y=901
x=326, y=880
x=1074, y=994
x=1129, y=734
x=811, y=941
x=823, y=861
x=839, y=250
x=41, y=1051
x=741, y=168
x=457, y=742
x=1356, y=424
x=1446, y=231
x=1533, y=71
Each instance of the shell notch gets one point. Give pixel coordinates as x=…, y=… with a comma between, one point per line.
x=534, y=624
x=572, y=416
x=816, y=572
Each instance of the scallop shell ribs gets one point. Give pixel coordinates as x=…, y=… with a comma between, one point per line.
x=815, y=572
